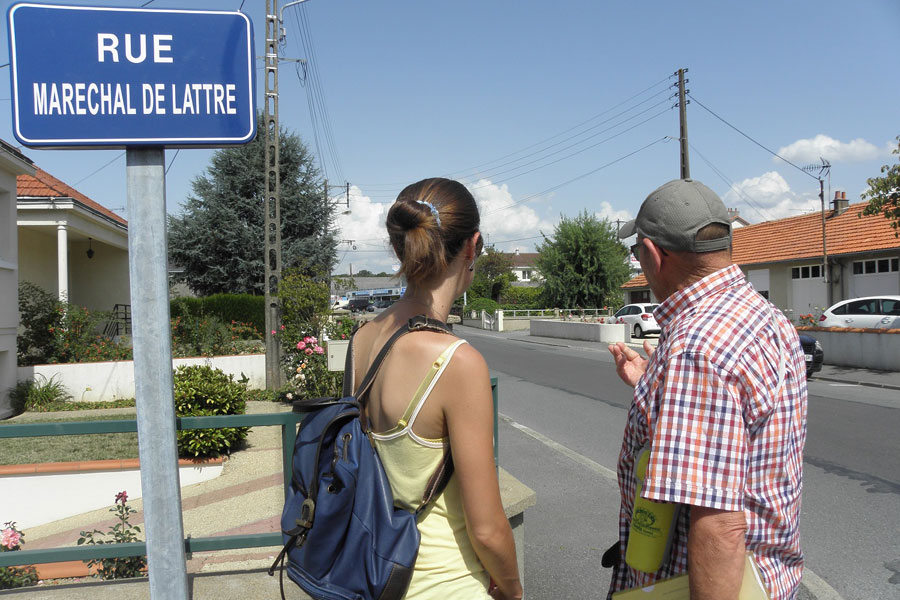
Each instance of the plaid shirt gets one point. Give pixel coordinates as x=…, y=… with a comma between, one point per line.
x=720, y=437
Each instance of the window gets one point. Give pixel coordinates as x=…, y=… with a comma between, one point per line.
x=640, y=297
x=880, y=265
x=890, y=307
x=526, y=274
x=807, y=272
x=863, y=307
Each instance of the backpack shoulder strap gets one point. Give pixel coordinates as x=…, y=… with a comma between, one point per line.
x=417, y=323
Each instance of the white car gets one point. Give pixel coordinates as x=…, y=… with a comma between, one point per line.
x=639, y=317
x=873, y=312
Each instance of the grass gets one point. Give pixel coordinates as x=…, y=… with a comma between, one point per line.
x=65, y=448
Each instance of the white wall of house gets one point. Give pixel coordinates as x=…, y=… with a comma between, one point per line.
x=37, y=257
x=101, y=282
x=10, y=166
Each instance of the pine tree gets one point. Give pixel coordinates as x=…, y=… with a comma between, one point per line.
x=217, y=239
x=583, y=264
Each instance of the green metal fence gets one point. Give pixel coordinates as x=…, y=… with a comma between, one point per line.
x=287, y=421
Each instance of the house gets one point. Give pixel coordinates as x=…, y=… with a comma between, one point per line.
x=523, y=268
x=12, y=164
x=784, y=259
x=70, y=245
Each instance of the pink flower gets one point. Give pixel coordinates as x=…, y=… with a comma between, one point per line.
x=10, y=538
x=308, y=350
x=282, y=327
x=301, y=345
x=343, y=336
x=122, y=497
x=308, y=340
x=273, y=332
x=313, y=340
x=319, y=350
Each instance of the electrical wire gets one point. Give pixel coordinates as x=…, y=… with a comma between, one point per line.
x=396, y=185
x=579, y=177
x=85, y=178
x=172, y=162
x=759, y=210
x=775, y=154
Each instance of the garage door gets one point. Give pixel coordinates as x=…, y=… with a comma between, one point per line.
x=808, y=291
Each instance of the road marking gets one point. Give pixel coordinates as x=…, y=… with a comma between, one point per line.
x=579, y=458
x=815, y=584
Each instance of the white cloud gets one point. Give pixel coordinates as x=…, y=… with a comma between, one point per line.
x=364, y=229
x=832, y=150
x=769, y=197
x=612, y=215
x=501, y=220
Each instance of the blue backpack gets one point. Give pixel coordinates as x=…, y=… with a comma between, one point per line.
x=344, y=538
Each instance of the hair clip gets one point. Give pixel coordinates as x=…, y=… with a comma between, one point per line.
x=434, y=211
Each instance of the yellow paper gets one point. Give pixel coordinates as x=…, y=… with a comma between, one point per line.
x=679, y=588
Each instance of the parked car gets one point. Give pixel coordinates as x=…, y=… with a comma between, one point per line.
x=639, y=317
x=358, y=304
x=382, y=304
x=875, y=312
x=813, y=352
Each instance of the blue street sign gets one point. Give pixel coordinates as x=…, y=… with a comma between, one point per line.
x=125, y=77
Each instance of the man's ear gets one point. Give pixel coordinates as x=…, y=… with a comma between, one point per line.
x=654, y=254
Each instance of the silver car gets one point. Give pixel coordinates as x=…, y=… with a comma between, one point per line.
x=639, y=318
x=873, y=312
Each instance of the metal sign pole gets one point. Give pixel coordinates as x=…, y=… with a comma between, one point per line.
x=157, y=447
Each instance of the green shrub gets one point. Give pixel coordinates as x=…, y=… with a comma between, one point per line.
x=480, y=304
x=122, y=532
x=239, y=308
x=307, y=372
x=38, y=395
x=38, y=315
x=521, y=298
x=201, y=390
x=305, y=307
x=15, y=577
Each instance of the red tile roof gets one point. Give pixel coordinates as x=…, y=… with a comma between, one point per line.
x=800, y=238
x=45, y=185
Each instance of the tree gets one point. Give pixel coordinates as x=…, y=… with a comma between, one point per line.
x=583, y=263
x=493, y=274
x=884, y=194
x=218, y=236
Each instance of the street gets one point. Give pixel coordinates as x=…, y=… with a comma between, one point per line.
x=562, y=414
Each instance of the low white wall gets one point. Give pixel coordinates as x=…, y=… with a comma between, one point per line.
x=516, y=324
x=103, y=381
x=863, y=350
x=42, y=499
x=574, y=330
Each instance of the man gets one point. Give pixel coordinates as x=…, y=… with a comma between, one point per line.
x=721, y=404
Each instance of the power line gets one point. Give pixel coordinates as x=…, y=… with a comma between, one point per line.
x=775, y=154
x=574, y=179
x=85, y=178
x=172, y=162
x=397, y=185
x=734, y=188
x=491, y=176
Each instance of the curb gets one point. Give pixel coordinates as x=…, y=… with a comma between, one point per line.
x=886, y=386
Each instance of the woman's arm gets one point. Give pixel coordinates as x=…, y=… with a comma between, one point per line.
x=465, y=394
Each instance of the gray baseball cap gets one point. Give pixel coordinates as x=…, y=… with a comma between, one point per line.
x=673, y=213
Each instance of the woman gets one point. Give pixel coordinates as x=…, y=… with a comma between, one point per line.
x=433, y=393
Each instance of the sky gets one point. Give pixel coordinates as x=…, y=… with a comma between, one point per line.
x=549, y=109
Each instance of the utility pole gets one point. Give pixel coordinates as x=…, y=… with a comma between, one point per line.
x=272, y=203
x=824, y=169
x=682, y=118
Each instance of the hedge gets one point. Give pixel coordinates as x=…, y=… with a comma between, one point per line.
x=243, y=308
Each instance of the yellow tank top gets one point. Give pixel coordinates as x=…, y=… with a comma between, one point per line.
x=447, y=566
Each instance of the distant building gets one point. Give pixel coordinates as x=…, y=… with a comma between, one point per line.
x=527, y=275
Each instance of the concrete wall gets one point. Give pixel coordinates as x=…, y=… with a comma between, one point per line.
x=574, y=330
x=104, y=381
x=861, y=349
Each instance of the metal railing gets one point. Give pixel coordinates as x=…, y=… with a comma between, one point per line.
x=288, y=422
x=120, y=323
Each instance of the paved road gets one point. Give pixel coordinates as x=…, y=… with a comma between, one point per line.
x=568, y=400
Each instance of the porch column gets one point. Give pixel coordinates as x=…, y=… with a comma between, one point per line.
x=62, y=262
